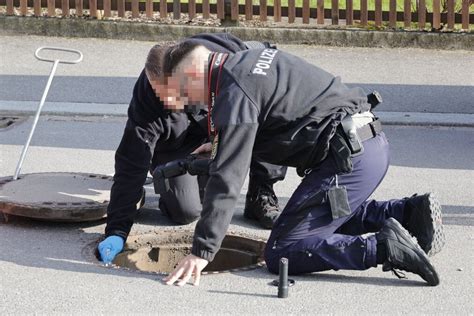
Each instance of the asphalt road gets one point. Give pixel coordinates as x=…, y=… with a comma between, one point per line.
x=410, y=80
x=49, y=268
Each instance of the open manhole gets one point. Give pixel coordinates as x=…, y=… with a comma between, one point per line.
x=56, y=196
x=161, y=252
x=8, y=121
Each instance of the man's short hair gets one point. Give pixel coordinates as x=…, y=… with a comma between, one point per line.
x=175, y=54
x=154, y=62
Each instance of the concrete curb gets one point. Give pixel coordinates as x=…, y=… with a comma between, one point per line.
x=63, y=108
x=126, y=30
x=120, y=110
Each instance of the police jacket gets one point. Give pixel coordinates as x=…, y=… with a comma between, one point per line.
x=148, y=128
x=276, y=107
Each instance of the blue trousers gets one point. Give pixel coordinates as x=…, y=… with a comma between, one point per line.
x=320, y=243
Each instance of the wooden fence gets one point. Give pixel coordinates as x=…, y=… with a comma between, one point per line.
x=231, y=10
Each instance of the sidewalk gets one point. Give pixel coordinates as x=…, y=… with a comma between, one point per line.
x=94, y=109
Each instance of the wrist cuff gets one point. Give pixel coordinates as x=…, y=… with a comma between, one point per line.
x=202, y=252
x=119, y=233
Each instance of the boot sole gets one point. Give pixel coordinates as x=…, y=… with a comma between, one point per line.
x=439, y=238
x=432, y=277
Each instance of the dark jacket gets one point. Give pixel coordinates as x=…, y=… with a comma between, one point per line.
x=150, y=130
x=278, y=108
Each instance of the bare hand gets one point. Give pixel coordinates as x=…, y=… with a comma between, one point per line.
x=187, y=267
x=204, y=148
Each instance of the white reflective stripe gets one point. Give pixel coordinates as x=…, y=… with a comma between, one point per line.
x=361, y=119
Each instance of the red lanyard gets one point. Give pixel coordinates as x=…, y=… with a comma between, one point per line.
x=216, y=61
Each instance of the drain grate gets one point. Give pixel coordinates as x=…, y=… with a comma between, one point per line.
x=7, y=121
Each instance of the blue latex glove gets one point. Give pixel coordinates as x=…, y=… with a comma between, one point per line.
x=109, y=248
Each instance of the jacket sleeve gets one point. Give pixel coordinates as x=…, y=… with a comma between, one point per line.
x=133, y=159
x=237, y=126
x=132, y=162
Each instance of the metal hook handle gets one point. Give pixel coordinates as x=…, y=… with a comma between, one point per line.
x=45, y=93
x=59, y=60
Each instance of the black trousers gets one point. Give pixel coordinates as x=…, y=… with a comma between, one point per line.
x=182, y=199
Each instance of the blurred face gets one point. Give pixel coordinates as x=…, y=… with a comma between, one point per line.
x=169, y=93
x=184, y=88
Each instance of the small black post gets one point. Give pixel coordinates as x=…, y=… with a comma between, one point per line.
x=283, y=281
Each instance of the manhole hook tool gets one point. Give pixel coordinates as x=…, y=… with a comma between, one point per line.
x=45, y=93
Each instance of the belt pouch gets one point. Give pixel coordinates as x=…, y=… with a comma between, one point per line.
x=341, y=153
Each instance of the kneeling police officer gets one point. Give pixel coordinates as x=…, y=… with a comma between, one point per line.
x=280, y=109
x=154, y=136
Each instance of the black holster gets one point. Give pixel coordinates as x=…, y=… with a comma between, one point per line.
x=345, y=144
x=340, y=152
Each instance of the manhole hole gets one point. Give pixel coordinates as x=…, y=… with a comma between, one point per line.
x=161, y=252
x=56, y=196
x=8, y=121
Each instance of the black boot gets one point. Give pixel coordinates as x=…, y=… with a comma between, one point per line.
x=261, y=204
x=403, y=253
x=422, y=218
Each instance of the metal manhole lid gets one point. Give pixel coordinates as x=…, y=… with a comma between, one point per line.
x=56, y=196
x=8, y=121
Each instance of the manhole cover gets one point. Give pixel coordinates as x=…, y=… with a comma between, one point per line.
x=161, y=252
x=7, y=121
x=56, y=196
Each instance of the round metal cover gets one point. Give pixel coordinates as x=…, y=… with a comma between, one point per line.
x=56, y=196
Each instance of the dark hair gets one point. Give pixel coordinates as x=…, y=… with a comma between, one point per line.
x=175, y=54
x=154, y=61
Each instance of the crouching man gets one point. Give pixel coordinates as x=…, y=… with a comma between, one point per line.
x=277, y=108
x=153, y=136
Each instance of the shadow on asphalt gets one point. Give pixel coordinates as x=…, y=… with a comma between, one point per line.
x=241, y=294
x=412, y=280
x=118, y=90
x=64, y=247
x=388, y=281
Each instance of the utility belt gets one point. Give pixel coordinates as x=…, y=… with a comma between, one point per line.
x=343, y=146
x=347, y=142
